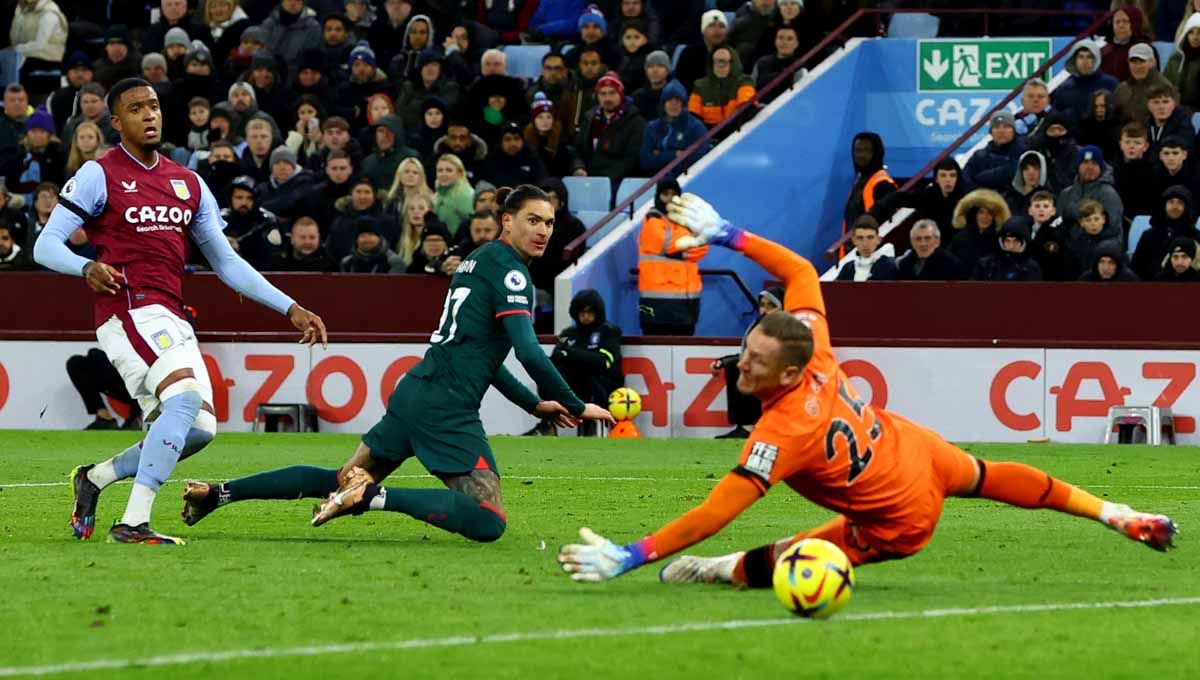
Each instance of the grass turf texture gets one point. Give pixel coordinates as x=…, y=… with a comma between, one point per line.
x=256, y=576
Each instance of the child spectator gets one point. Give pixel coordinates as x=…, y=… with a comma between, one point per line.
x=871, y=262
x=639, y=13
x=1174, y=218
x=1180, y=264
x=1011, y=262
x=1133, y=174
x=719, y=94
x=454, y=197
x=1049, y=245
x=87, y=145
x=635, y=48
x=1093, y=229
x=198, y=114
x=976, y=219
x=1031, y=177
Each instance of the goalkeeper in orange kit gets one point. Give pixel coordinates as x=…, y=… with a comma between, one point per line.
x=884, y=475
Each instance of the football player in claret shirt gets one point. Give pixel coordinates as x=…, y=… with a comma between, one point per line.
x=884, y=475
x=433, y=413
x=138, y=209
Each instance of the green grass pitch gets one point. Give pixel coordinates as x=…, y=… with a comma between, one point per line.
x=258, y=593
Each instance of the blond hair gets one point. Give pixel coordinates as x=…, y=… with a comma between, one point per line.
x=77, y=156
x=398, y=194
x=410, y=236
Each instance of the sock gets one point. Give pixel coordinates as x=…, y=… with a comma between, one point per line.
x=445, y=509
x=289, y=483
x=160, y=452
x=1029, y=487
x=756, y=567
x=121, y=466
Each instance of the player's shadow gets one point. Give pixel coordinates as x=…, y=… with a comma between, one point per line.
x=349, y=540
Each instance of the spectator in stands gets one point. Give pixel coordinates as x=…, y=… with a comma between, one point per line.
x=464, y=48
x=492, y=101
x=292, y=28
x=198, y=81
x=1049, y=245
x=511, y=18
x=335, y=184
x=483, y=227
x=304, y=252
x=337, y=39
x=365, y=80
x=12, y=123
x=430, y=80
x=454, y=198
x=154, y=70
x=927, y=260
x=1134, y=173
x=1092, y=229
x=588, y=354
x=1167, y=118
x=485, y=197
x=12, y=256
x=593, y=32
x=260, y=139
x=557, y=85
x=1032, y=176
x=220, y=169
x=175, y=46
x=754, y=20
x=1170, y=17
x=175, y=14
x=92, y=108
x=992, y=167
x=1057, y=145
x=253, y=232
x=936, y=200
x=567, y=228
x=45, y=200
x=611, y=139
x=118, y=60
x=512, y=163
x=1174, y=217
x=39, y=34
x=409, y=181
x=1183, y=68
x=1035, y=105
x=87, y=145
x=977, y=218
x=657, y=75
x=637, y=12
x=41, y=157
x=94, y=376
x=591, y=69
x=1130, y=96
x=669, y=284
x=717, y=96
x=430, y=256
x=557, y=20
x=872, y=183
x=470, y=149
x=1094, y=180
x=1126, y=33
x=1180, y=266
x=269, y=92
x=635, y=49
x=361, y=14
x=1100, y=125
x=768, y=67
x=419, y=36
x=1108, y=264
x=361, y=203
x=335, y=136
x=1012, y=262
x=287, y=194
x=371, y=254
x=62, y=104
x=696, y=58
x=390, y=149
x=225, y=21
x=671, y=134
x=241, y=99
x=1074, y=96
x=304, y=139
x=544, y=135
x=418, y=213
x=873, y=260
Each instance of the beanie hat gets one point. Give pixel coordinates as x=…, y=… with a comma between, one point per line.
x=435, y=228
x=434, y=102
x=659, y=58
x=668, y=183
x=312, y=59
x=255, y=34
x=1002, y=117
x=244, y=182
x=79, y=59
x=611, y=79
x=1183, y=244
x=429, y=56
x=117, y=33
x=1091, y=152
x=482, y=187
x=713, y=15
x=262, y=59
x=593, y=15
x=365, y=225
x=40, y=120
x=362, y=52
x=176, y=36
x=282, y=153
x=242, y=85
x=198, y=52
x=154, y=59
x=540, y=104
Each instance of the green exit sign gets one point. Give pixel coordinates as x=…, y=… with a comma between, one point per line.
x=988, y=65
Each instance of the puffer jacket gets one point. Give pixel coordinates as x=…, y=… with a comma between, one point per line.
x=1074, y=97
x=39, y=32
x=663, y=137
x=715, y=99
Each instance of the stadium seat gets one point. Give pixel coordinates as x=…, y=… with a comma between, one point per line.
x=525, y=61
x=1140, y=225
x=588, y=193
x=1165, y=50
x=913, y=26
x=729, y=17
x=630, y=185
x=1196, y=121
x=592, y=217
x=675, y=57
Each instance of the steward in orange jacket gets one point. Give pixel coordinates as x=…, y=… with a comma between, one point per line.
x=668, y=276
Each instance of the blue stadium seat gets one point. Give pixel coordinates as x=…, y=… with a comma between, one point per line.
x=630, y=185
x=588, y=193
x=525, y=61
x=1140, y=225
x=1165, y=50
x=710, y=4
x=1196, y=121
x=913, y=26
x=675, y=57
x=592, y=217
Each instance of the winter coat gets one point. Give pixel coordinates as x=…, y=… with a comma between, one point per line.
x=969, y=243
x=992, y=166
x=504, y=170
x=252, y=231
x=767, y=68
x=405, y=64
x=941, y=265
x=471, y=157
x=455, y=204
x=1015, y=195
x=288, y=38
x=715, y=99
x=289, y=200
x=1049, y=250
x=648, y=21
x=1183, y=68
x=1060, y=155
x=352, y=97
x=107, y=73
x=476, y=100
x=566, y=98
x=1106, y=133
x=1082, y=246
x=592, y=351
x=378, y=261
x=318, y=261
x=381, y=166
x=1160, y=179
x=557, y=157
x=610, y=148
x=632, y=67
x=881, y=266
x=857, y=203
x=1112, y=249
x=192, y=25
x=1137, y=184
x=558, y=19
x=413, y=94
x=1130, y=97
x=23, y=169
x=39, y=32
x=344, y=231
x=1155, y=243
x=1005, y=265
x=663, y=137
x=1074, y=97
x=1178, y=125
x=749, y=27
x=928, y=202
x=1100, y=190
x=1114, y=58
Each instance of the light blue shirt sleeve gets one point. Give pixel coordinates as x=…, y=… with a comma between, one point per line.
x=208, y=232
x=82, y=198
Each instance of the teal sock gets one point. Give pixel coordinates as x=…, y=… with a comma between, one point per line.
x=289, y=483
x=449, y=510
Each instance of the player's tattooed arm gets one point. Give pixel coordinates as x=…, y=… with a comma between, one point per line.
x=481, y=485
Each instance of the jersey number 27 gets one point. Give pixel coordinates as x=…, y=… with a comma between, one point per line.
x=854, y=432
x=454, y=302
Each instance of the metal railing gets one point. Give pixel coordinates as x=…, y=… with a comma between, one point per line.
x=737, y=280
x=738, y=117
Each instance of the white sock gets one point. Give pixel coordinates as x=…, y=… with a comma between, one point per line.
x=103, y=474
x=1109, y=511
x=378, y=501
x=726, y=565
x=141, y=502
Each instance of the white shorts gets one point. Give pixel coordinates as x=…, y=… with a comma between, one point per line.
x=146, y=345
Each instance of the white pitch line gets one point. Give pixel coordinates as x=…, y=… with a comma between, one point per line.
x=570, y=634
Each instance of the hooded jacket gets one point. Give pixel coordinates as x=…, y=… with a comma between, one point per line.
x=1111, y=249
x=1073, y=97
x=663, y=137
x=567, y=228
x=715, y=99
x=412, y=95
x=969, y=243
x=289, y=35
x=1004, y=265
x=504, y=170
x=1168, y=273
x=1183, y=68
x=406, y=63
x=380, y=166
x=1059, y=153
x=1049, y=248
x=471, y=157
x=558, y=19
x=593, y=350
x=1179, y=124
x=344, y=230
x=928, y=201
x=992, y=166
x=1015, y=195
x=1114, y=59
x=1106, y=133
x=1156, y=242
x=871, y=182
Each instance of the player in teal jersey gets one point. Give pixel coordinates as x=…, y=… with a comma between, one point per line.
x=433, y=413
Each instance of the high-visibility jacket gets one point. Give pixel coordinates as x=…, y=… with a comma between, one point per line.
x=665, y=272
x=868, y=198
x=713, y=110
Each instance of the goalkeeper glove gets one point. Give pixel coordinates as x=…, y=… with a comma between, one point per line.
x=599, y=559
x=706, y=225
